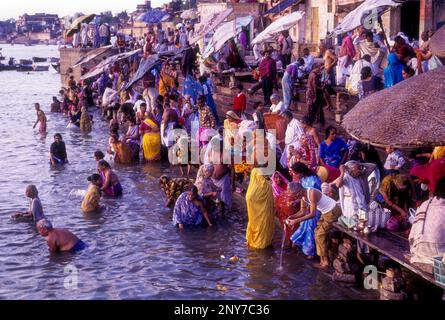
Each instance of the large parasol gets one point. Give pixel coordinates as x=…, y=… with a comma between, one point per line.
x=281, y=24
x=409, y=114
x=365, y=15
x=189, y=14
x=437, y=43
x=224, y=33
x=75, y=26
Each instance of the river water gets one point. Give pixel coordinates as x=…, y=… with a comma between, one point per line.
x=134, y=250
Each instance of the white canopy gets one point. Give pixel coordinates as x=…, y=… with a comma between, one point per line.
x=210, y=24
x=281, y=24
x=224, y=33
x=365, y=14
x=189, y=14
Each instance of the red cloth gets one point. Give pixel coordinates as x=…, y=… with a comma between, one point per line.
x=239, y=102
x=430, y=173
x=268, y=68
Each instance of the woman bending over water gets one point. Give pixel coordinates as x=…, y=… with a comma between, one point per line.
x=110, y=182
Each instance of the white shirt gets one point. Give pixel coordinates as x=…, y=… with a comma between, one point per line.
x=108, y=97
x=395, y=159
x=278, y=108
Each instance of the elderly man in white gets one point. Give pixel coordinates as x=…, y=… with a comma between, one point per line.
x=294, y=131
x=357, y=182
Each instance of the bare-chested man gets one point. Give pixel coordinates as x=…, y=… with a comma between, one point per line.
x=59, y=240
x=330, y=61
x=41, y=117
x=328, y=72
x=222, y=178
x=169, y=121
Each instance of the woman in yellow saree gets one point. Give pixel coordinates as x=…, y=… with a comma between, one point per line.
x=151, y=138
x=260, y=211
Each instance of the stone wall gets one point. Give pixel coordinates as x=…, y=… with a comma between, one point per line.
x=68, y=57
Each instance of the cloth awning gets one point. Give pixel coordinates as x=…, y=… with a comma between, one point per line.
x=365, y=14
x=145, y=66
x=96, y=53
x=224, y=33
x=281, y=24
x=102, y=67
x=209, y=25
x=283, y=5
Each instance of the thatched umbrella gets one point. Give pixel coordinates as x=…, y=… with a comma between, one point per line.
x=409, y=114
x=437, y=43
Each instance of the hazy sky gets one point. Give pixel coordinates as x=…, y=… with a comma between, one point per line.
x=15, y=8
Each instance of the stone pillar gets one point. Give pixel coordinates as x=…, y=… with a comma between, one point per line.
x=426, y=16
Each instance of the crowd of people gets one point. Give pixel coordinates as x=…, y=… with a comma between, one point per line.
x=317, y=182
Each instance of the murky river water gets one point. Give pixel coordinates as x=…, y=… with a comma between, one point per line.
x=134, y=250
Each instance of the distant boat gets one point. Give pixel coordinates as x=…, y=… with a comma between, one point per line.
x=4, y=67
x=24, y=68
x=40, y=68
x=37, y=59
x=25, y=62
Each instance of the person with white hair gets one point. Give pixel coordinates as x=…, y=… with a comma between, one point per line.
x=59, y=240
x=277, y=106
x=355, y=191
x=35, y=210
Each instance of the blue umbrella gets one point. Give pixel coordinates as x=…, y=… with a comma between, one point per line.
x=153, y=16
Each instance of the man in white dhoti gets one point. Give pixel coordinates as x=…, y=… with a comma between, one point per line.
x=354, y=190
x=292, y=138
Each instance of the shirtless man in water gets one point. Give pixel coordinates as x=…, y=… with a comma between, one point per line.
x=59, y=240
x=41, y=117
x=169, y=120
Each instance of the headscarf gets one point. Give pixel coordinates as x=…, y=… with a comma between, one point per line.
x=203, y=183
x=276, y=188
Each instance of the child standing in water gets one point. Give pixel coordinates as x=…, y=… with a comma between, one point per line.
x=41, y=117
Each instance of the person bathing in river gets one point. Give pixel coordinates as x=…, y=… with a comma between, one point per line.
x=110, y=182
x=59, y=240
x=91, y=200
x=189, y=210
x=58, y=154
x=98, y=155
x=313, y=201
x=121, y=151
x=41, y=117
x=35, y=210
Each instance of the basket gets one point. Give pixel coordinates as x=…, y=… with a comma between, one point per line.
x=439, y=271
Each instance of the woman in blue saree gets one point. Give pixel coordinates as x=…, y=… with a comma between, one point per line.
x=189, y=210
x=393, y=72
x=191, y=88
x=304, y=236
x=333, y=151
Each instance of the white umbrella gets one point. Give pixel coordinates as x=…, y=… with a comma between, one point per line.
x=224, y=33
x=365, y=14
x=210, y=24
x=189, y=14
x=281, y=24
